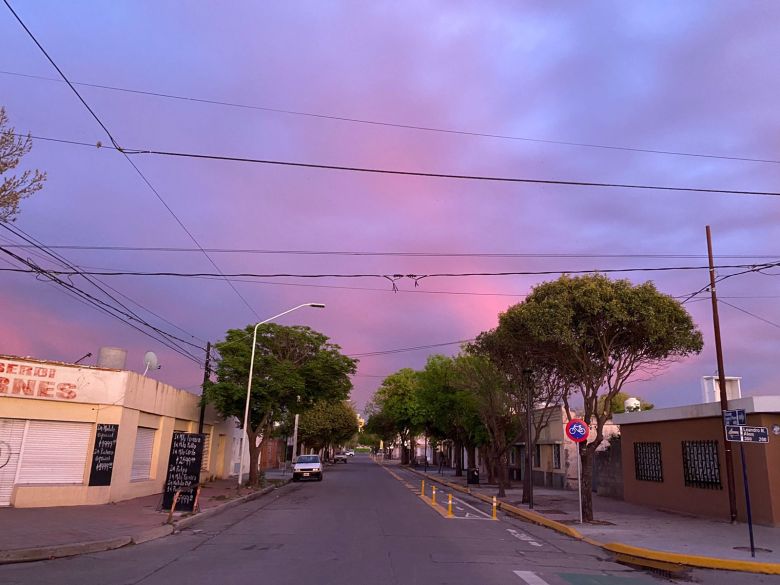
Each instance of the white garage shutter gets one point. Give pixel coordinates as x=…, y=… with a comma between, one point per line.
x=142, y=456
x=11, y=434
x=55, y=452
x=204, y=466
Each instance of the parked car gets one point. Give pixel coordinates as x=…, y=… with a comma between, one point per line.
x=307, y=467
x=349, y=453
x=340, y=457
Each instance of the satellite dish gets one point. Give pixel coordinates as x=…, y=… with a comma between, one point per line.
x=151, y=362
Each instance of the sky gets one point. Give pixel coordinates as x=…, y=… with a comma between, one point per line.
x=554, y=91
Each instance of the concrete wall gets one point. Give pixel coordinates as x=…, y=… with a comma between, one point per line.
x=763, y=468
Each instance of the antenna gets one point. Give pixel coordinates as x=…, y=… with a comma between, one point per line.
x=151, y=362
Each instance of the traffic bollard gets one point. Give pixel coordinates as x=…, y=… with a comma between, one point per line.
x=449, y=505
x=422, y=487
x=433, y=494
x=495, y=517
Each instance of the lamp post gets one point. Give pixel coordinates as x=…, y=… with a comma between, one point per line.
x=245, y=436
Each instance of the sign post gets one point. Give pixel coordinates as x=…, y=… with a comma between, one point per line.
x=578, y=431
x=737, y=431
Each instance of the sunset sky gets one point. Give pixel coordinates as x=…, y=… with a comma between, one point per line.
x=575, y=92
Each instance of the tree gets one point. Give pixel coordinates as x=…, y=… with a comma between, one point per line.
x=599, y=333
x=618, y=403
x=14, y=188
x=327, y=423
x=294, y=368
x=396, y=401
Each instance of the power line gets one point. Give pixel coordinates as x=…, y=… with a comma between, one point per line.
x=124, y=152
x=416, y=127
x=406, y=349
x=291, y=252
x=772, y=323
x=424, y=174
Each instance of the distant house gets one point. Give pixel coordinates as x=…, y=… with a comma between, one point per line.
x=673, y=458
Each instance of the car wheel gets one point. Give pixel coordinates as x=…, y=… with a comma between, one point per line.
x=295, y=478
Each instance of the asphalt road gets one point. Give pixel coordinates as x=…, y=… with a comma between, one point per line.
x=361, y=525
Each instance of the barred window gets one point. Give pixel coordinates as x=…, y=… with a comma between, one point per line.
x=647, y=462
x=556, y=456
x=700, y=464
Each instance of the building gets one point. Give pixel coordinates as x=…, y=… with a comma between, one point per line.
x=63, y=425
x=673, y=458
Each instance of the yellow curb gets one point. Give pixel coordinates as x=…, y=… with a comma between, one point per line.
x=537, y=518
x=693, y=560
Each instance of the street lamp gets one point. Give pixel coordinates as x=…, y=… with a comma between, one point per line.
x=249, y=383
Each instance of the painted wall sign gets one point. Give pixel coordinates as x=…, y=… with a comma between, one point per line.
x=42, y=381
x=103, y=455
x=183, y=470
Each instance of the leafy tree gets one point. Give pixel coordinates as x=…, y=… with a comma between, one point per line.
x=397, y=404
x=327, y=423
x=618, y=403
x=14, y=188
x=598, y=333
x=294, y=368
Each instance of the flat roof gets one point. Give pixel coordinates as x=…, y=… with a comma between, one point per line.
x=750, y=404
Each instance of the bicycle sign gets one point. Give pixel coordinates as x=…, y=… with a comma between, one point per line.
x=577, y=430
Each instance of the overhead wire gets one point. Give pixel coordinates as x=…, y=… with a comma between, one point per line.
x=416, y=127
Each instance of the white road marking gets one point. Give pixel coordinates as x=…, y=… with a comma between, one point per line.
x=530, y=577
x=459, y=508
x=523, y=536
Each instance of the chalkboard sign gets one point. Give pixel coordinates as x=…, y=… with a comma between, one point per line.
x=183, y=470
x=103, y=454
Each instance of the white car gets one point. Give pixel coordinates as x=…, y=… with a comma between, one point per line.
x=349, y=453
x=307, y=467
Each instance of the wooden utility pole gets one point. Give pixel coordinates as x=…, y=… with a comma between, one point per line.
x=206, y=374
x=724, y=401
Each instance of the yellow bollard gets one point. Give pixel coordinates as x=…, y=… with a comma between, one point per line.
x=422, y=487
x=433, y=494
x=449, y=505
x=494, y=508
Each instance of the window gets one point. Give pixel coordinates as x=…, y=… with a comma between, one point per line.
x=700, y=464
x=556, y=456
x=647, y=462
x=142, y=456
x=538, y=455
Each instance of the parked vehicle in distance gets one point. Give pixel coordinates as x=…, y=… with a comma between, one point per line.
x=340, y=457
x=307, y=467
x=349, y=453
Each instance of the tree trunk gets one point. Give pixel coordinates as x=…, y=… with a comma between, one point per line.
x=254, y=457
x=458, y=459
x=472, y=456
x=490, y=464
x=502, y=474
x=527, y=476
x=586, y=460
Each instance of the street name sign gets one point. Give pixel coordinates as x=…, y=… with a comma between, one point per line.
x=740, y=434
x=735, y=417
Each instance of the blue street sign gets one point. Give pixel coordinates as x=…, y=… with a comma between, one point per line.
x=755, y=434
x=735, y=417
x=733, y=433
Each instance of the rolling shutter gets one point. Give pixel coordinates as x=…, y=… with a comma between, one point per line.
x=142, y=455
x=204, y=466
x=11, y=434
x=55, y=452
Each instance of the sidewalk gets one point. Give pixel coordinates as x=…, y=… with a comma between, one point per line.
x=630, y=525
x=40, y=533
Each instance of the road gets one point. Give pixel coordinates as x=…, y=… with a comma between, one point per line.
x=364, y=524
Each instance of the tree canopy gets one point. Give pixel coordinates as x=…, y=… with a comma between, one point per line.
x=14, y=188
x=327, y=423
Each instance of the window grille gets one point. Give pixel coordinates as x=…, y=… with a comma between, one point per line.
x=556, y=456
x=700, y=464
x=648, y=465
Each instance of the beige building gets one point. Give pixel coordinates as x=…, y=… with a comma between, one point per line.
x=51, y=414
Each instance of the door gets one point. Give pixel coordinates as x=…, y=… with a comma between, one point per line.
x=11, y=435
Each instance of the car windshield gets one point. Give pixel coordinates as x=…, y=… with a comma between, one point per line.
x=308, y=459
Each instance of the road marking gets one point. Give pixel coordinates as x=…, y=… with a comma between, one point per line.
x=523, y=536
x=530, y=577
x=459, y=508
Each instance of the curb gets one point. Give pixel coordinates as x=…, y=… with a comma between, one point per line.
x=618, y=548
x=43, y=553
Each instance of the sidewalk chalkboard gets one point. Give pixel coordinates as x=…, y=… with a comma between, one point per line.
x=103, y=454
x=183, y=470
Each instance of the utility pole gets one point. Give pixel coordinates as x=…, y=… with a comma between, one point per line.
x=724, y=400
x=295, y=437
x=206, y=374
x=529, y=437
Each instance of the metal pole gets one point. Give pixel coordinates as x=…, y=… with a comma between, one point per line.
x=245, y=436
x=724, y=401
x=579, y=481
x=295, y=437
x=747, y=500
x=206, y=374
